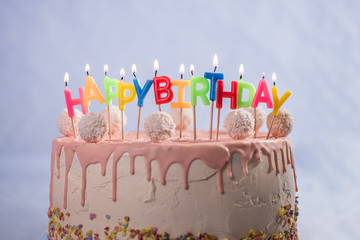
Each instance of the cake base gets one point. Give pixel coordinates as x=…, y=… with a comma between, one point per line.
x=212, y=189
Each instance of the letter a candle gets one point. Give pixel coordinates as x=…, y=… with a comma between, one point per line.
x=261, y=95
x=277, y=102
x=92, y=91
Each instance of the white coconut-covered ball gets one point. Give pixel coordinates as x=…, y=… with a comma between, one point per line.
x=115, y=117
x=92, y=127
x=239, y=124
x=260, y=116
x=64, y=122
x=186, y=116
x=283, y=123
x=159, y=126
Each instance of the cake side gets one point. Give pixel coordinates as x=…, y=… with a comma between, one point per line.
x=224, y=188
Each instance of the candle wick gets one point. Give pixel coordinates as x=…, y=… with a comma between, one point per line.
x=181, y=76
x=215, y=68
x=105, y=74
x=192, y=73
x=122, y=78
x=274, y=84
x=87, y=73
x=134, y=74
x=66, y=84
x=240, y=77
x=155, y=73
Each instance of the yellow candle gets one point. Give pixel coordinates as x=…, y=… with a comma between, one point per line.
x=278, y=102
x=123, y=87
x=92, y=91
x=181, y=84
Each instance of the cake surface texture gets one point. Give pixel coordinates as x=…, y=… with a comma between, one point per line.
x=178, y=189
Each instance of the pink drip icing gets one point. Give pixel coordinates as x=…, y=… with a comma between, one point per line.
x=213, y=154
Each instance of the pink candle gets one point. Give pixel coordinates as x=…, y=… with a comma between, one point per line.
x=70, y=103
x=262, y=94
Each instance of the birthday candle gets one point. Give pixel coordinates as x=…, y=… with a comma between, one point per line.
x=123, y=87
x=109, y=85
x=278, y=102
x=181, y=84
x=194, y=92
x=163, y=94
x=262, y=94
x=70, y=103
x=223, y=94
x=241, y=86
x=92, y=91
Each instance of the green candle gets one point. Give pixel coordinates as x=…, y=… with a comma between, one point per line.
x=251, y=89
x=110, y=84
x=194, y=81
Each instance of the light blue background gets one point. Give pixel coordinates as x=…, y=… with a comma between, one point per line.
x=313, y=46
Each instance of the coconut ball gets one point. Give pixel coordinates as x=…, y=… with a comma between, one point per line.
x=283, y=123
x=239, y=124
x=260, y=116
x=115, y=117
x=186, y=116
x=159, y=126
x=64, y=122
x=92, y=127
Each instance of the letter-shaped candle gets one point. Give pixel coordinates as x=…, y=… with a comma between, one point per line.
x=181, y=84
x=70, y=103
x=159, y=90
x=278, y=102
x=194, y=92
x=123, y=99
x=142, y=92
x=92, y=91
x=222, y=94
x=214, y=77
x=108, y=85
x=262, y=94
x=241, y=86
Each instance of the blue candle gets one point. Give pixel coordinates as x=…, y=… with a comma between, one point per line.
x=141, y=92
x=213, y=76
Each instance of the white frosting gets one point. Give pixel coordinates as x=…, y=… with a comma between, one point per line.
x=239, y=124
x=92, y=127
x=260, y=116
x=283, y=123
x=159, y=126
x=64, y=122
x=115, y=117
x=249, y=201
x=187, y=117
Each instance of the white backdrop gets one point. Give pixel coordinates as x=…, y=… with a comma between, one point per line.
x=313, y=46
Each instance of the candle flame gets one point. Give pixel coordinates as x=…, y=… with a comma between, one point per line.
x=192, y=68
x=122, y=72
x=106, y=68
x=241, y=69
x=133, y=68
x=66, y=77
x=87, y=68
x=156, y=65
x=215, y=61
x=182, y=69
x=274, y=77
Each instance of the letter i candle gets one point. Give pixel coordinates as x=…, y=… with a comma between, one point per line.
x=181, y=84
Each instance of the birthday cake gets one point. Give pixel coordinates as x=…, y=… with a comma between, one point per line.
x=156, y=185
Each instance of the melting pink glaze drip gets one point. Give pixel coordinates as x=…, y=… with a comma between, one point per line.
x=215, y=155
